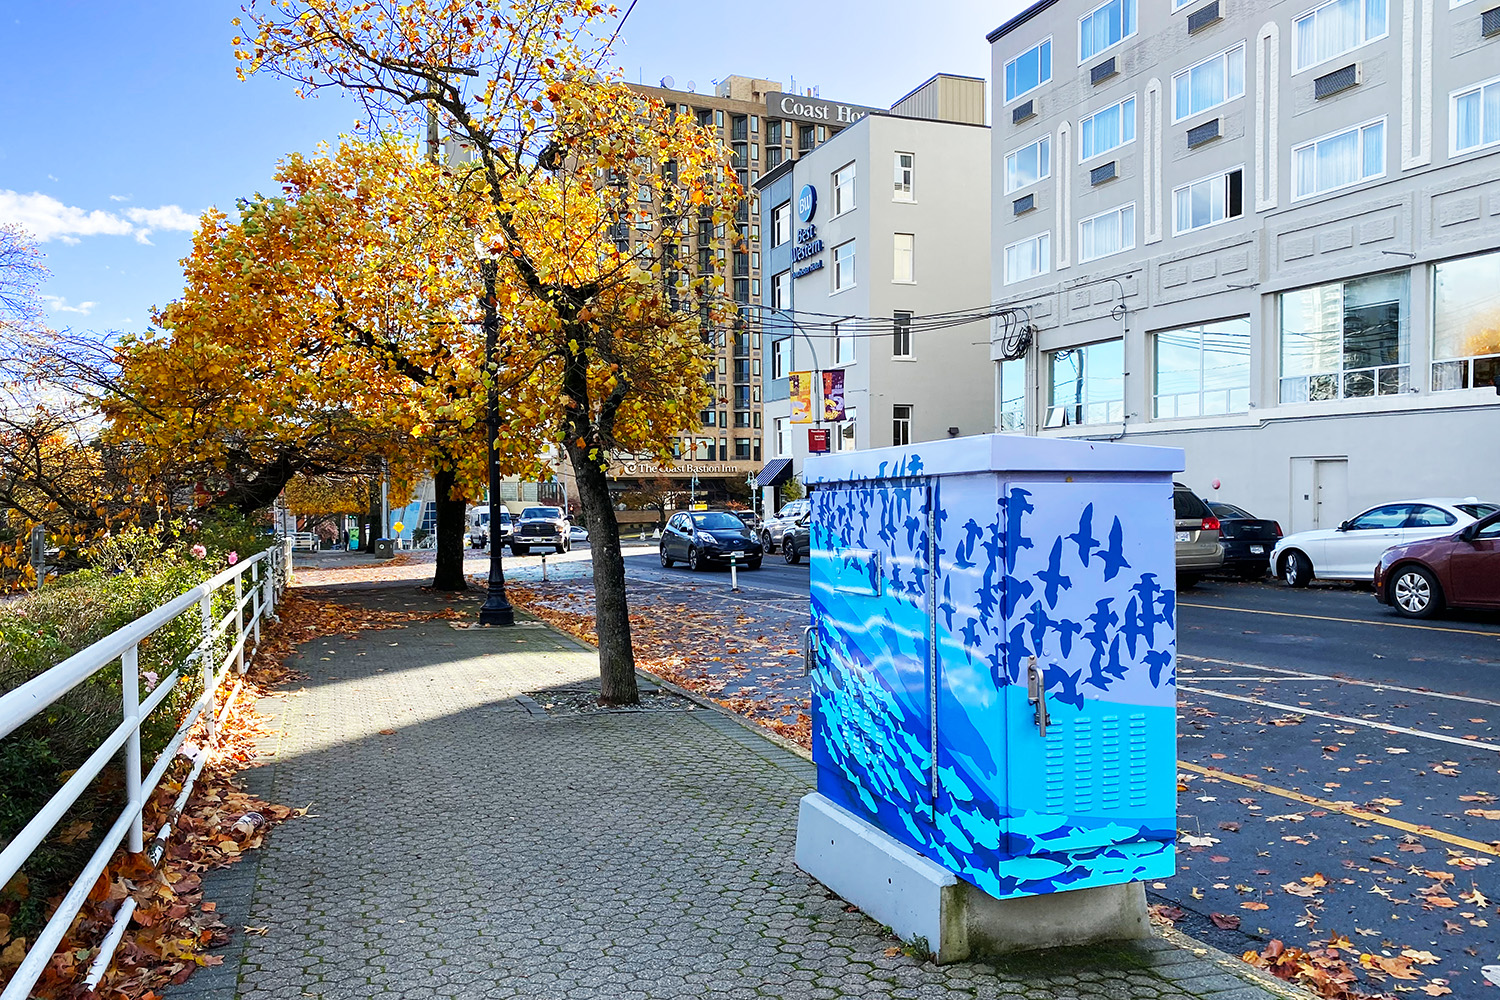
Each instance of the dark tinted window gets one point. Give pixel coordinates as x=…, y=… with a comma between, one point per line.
x=1426, y=516
x=1187, y=505
x=1230, y=511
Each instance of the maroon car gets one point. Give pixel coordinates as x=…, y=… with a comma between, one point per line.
x=1461, y=570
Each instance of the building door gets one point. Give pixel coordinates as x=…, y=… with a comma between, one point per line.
x=1320, y=493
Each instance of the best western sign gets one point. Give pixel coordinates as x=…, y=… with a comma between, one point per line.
x=812, y=109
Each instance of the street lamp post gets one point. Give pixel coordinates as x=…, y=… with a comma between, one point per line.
x=497, y=609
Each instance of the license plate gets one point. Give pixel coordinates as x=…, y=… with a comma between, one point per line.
x=1184, y=536
x=1257, y=550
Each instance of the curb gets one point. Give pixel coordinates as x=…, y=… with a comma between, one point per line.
x=1232, y=965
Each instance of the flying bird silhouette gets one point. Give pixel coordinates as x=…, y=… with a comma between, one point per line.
x=1157, y=659
x=1020, y=506
x=1114, y=556
x=1052, y=577
x=1084, y=536
x=1068, y=682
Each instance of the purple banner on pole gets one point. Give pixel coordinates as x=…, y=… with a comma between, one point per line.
x=833, y=394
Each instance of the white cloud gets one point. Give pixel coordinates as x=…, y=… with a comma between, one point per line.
x=119, y=197
x=59, y=304
x=47, y=218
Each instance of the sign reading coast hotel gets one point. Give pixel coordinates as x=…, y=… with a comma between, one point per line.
x=813, y=109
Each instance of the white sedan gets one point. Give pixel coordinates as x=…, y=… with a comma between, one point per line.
x=1350, y=551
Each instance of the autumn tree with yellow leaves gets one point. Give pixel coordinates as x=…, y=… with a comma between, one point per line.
x=602, y=346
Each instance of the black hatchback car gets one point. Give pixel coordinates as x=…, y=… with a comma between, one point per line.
x=701, y=537
x=1248, y=540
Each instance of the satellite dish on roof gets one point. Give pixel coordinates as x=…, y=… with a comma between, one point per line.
x=667, y=82
x=692, y=87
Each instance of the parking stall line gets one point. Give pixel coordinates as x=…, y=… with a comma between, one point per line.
x=1347, y=719
x=1343, y=808
x=1346, y=621
x=1304, y=675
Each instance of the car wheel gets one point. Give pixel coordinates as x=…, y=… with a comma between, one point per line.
x=1297, y=569
x=566, y=546
x=789, y=553
x=765, y=541
x=1187, y=581
x=754, y=563
x=665, y=561
x=1415, y=593
x=694, y=562
x=520, y=550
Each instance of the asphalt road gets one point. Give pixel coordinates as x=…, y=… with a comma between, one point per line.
x=1339, y=765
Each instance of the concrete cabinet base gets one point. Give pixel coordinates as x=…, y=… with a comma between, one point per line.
x=921, y=901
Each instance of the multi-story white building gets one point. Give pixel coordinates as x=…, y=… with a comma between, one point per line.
x=884, y=225
x=1266, y=234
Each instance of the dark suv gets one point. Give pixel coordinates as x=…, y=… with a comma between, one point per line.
x=701, y=537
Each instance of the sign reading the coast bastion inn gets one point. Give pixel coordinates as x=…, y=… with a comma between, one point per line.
x=627, y=467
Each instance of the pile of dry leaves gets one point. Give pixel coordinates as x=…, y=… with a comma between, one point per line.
x=173, y=925
x=702, y=651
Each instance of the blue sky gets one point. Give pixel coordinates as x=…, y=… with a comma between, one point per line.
x=122, y=121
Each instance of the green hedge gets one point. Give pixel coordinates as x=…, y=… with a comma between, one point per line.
x=134, y=574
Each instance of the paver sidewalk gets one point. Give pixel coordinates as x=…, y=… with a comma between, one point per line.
x=476, y=832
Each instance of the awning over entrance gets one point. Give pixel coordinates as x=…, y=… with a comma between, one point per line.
x=776, y=472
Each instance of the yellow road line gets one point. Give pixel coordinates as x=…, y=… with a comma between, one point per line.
x=1347, y=810
x=1347, y=621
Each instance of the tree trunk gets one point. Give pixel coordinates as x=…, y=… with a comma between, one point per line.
x=449, y=574
x=611, y=614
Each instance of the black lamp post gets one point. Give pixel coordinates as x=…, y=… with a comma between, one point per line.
x=497, y=609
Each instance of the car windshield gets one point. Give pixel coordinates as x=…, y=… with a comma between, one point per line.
x=541, y=513
x=1230, y=511
x=714, y=521
x=504, y=516
x=1477, y=510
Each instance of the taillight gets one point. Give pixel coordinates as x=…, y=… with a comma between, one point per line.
x=1210, y=524
x=1277, y=526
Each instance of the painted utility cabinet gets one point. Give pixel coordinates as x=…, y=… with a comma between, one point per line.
x=994, y=677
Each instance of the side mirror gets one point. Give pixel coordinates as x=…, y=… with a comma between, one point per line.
x=1467, y=535
x=1344, y=526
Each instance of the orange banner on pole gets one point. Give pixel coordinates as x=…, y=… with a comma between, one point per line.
x=801, y=384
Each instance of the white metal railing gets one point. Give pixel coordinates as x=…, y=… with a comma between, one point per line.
x=266, y=575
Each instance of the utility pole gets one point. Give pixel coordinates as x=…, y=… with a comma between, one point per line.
x=497, y=609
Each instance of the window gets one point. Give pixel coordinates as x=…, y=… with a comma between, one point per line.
x=843, y=189
x=1382, y=518
x=1106, y=233
x=1012, y=396
x=781, y=357
x=843, y=343
x=1426, y=516
x=1108, y=24
x=843, y=266
x=781, y=290
x=901, y=337
x=1346, y=339
x=804, y=137
x=1212, y=82
x=903, y=245
x=755, y=288
x=1028, y=71
x=773, y=157
x=755, y=151
x=773, y=131
x=1028, y=165
x=645, y=192
x=742, y=448
x=1209, y=201
x=1474, y=118
x=755, y=124
x=843, y=432
x=1339, y=26
x=822, y=133
x=1203, y=370
x=1028, y=258
x=755, y=260
x=719, y=119
x=1339, y=160
x=905, y=168
x=1086, y=384
x=1466, y=323
x=783, y=437
x=901, y=424
x=781, y=223
x=1107, y=129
